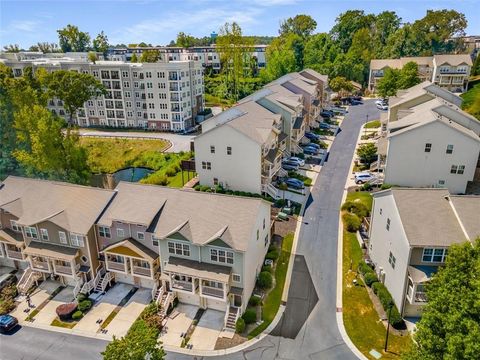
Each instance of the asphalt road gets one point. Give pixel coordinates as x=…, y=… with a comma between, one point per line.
x=179, y=142
x=308, y=329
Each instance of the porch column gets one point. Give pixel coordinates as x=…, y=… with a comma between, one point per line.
x=201, y=286
x=72, y=266
x=224, y=291
x=130, y=260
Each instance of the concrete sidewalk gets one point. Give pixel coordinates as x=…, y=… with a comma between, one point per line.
x=48, y=313
x=207, y=331
x=37, y=297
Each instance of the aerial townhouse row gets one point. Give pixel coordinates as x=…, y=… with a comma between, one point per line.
x=204, y=249
x=448, y=71
x=159, y=96
x=410, y=234
x=208, y=56
x=242, y=148
x=428, y=141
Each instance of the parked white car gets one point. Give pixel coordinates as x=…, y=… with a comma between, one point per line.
x=299, y=161
x=382, y=106
x=363, y=177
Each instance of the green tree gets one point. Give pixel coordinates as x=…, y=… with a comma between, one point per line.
x=150, y=56
x=235, y=51
x=367, y=153
x=185, y=40
x=46, y=47
x=12, y=48
x=347, y=24
x=301, y=25
x=72, y=39
x=7, y=132
x=340, y=84
x=474, y=109
x=450, y=323
x=320, y=53
x=73, y=88
x=134, y=58
x=386, y=23
x=476, y=66
x=281, y=57
x=409, y=76
x=92, y=57
x=388, y=84
x=140, y=341
x=100, y=43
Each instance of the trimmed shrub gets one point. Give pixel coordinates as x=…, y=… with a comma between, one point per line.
x=272, y=248
x=366, y=187
x=85, y=305
x=7, y=305
x=364, y=268
x=265, y=280
x=77, y=315
x=65, y=311
x=254, y=301
x=272, y=255
x=267, y=268
x=81, y=297
x=351, y=221
x=249, y=316
x=240, y=325
x=370, y=278
x=395, y=318
x=356, y=207
x=376, y=287
x=385, y=186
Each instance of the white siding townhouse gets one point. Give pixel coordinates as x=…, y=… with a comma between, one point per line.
x=158, y=96
x=411, y=231
x=205, y=249
x=448, y=71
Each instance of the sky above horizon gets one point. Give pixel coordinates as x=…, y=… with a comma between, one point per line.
x=26, y=22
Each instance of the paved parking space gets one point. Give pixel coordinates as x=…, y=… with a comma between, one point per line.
x=37, y=297
x=130, y=312
x=48, y=313
x=207, y=331
x=177, y=324
x=102, y=308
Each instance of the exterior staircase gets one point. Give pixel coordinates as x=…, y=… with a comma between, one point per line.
x=103, y=282
x=231, y=319
x=271, y=190
x=27, y=280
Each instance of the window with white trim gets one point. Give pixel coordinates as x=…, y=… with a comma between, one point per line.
x=154, y=242
x=178, y=248
x=206, y=165
x=434, y=255
x=44, y=234
x=31, y=232
x=449, y=149
x=428, y=147
x=221, y=256
x=140, y=235
x=77, y=240
x=236, y=278
x=63, y=237
x=15, y=226
x=104, y=231
x=120, y=233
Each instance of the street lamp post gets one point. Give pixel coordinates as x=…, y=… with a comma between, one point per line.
x=390, y=306
x=365, y=126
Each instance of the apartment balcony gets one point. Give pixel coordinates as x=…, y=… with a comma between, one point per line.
x=116, y=266
x=14, y=254
x=174, y=97
x=40, y=265
x=115, y=76
x=142, y=271
x=453, y=72
x=63, y=270
x=213, y=292
x=173, y=86
x=182, y=285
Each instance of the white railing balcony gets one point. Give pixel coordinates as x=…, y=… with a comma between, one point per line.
x=116, y=266
x=182, y=285
x=212, y=291
x=64, y=270
x=40, y=265
x=14, y=254
x=139, y=270
x=420, y=296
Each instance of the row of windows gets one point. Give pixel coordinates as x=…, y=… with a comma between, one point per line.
x=434, y=255
x=32, y=233
x=448, y=150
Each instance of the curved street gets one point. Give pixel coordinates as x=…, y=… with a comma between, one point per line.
x=308, y=329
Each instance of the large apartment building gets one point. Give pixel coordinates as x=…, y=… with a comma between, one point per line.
x=204, y=249
x=242, y=148
x=207, y=56
x=158, y=96
x=448, y=71
x=411, y=231
x=429, y=141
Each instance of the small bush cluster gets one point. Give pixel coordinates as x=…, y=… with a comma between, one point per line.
x=356, y=207
x=84, y=305
x=249, y=316
x=370, y=278
x=351, y=221
x=272, y=255
x=240, y=325
x=254, y=301
x=265, y=280
x=364, y=268
x=386, y=299
x=7, y=296
x=151, y=316
x=77, y=315
x=267, y=268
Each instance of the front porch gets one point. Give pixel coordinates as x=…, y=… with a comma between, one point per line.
x=53, y=259
x=418, y=277
x=12, y=245
x=129, y=257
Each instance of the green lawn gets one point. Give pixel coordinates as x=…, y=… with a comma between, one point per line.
x=470, y=96
x=63, y=324
x=272, y=302
x=373, y=124
x=110, y=155
x=359, y=313
x=109, y=319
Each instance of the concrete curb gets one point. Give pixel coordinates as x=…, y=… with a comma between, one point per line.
x=339, y=316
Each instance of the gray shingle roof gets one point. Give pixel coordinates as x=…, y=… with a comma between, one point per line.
x=468, y=210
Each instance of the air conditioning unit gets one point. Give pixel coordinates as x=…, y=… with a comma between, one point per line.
x=381, y=275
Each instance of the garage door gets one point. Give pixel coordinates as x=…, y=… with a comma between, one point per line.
x=216, y=304
x=191, y=299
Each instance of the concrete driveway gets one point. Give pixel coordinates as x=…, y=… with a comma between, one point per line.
x=103, y=308
x=39, y=295
x=48, y=313
x=130, y=312
x=208, y=329
x=179, y=142
x=177, y=324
